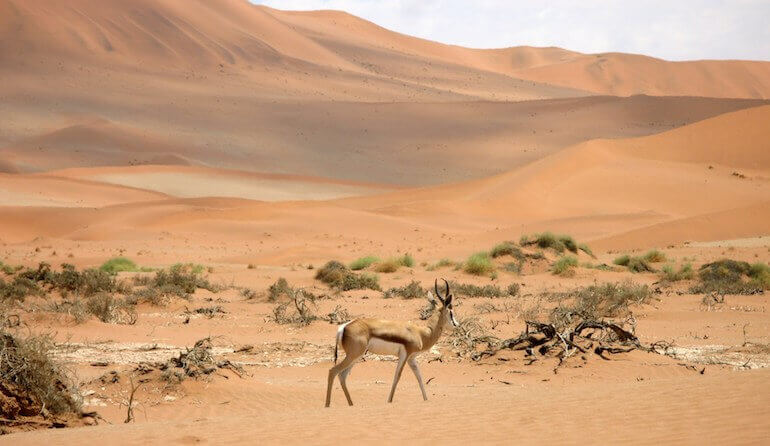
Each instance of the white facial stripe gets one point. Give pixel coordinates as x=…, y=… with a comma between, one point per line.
x=452, y=317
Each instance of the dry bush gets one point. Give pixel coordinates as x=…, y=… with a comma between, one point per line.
x=209, y=312
x=195, y=362
x=300, y=309
x=110, y=309
x=413, y=290
x=247, y=293
x=338, y=276
x=598, y=301
x=31, y=381
x=338, y=316
x=466, y=339
x=279, y=289
x=471, y=290
x=180, y=280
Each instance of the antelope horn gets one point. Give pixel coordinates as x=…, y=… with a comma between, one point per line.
x=446, y=293
x=438, y=295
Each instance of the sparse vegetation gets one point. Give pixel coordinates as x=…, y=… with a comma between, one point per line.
x=110, y=309
x=440, y=264
x=393, y=264
x=670, y=274
x=195, y=362
x=586, y=249
x=597, y=301
x=32, y=382
x=548, y=240
x=634, y=264
x=728, y=276
x=121, y=264
x=338, y=276
x=654, y=256
x=413, y=290
x=300, y=309
x=278, y=289
x=363, y=262
x=564, y=265
x=471, y=290
x=479, y=264
x=506, y=249
x=180, y=280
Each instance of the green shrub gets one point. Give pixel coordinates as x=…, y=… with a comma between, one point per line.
x=548, y=240
x=564, y=265
x=634, y=264
x=654, y=256
x=728, y=276
x=760, y=275
x=119, y=264
x=622, y=260
x=479, y=264
x=506, y=249
x=406, y=260
x=685, y=272
x=363, y=262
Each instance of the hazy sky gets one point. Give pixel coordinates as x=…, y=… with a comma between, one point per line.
x=670, y=29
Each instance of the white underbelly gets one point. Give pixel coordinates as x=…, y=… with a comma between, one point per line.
x=380, y=347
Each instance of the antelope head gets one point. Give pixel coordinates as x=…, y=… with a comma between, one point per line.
x=446, y=310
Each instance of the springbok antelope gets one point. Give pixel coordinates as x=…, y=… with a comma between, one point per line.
x=401, y=339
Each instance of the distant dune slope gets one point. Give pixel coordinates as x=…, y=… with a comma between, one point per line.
x=606, y=73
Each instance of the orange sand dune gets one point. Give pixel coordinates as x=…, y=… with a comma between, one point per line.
x=395, y=143
x=602, y=187
x=607, y=73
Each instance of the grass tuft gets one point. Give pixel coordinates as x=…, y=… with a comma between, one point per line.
x=363, y=262
x=479, y=264
x=564, y=265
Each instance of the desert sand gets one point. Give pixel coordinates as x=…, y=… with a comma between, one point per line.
x=262, y=143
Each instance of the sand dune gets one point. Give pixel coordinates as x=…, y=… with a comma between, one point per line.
x=398, y=143
x=608, y=73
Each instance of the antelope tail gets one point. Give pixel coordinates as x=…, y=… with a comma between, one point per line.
x=340, y=334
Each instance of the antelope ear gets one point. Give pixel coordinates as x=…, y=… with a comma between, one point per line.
x=431, y=298
x=448, y=300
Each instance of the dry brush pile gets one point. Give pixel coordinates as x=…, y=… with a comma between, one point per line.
x=594, y=320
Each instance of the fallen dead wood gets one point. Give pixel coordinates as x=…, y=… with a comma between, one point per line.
x=545, y=339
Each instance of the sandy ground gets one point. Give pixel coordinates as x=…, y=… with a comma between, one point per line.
x=259, y=142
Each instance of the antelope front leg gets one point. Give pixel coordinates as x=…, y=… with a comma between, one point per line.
x=413, y=365
x=399, y=369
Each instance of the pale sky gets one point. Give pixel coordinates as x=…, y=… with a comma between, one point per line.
x=669, y=29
